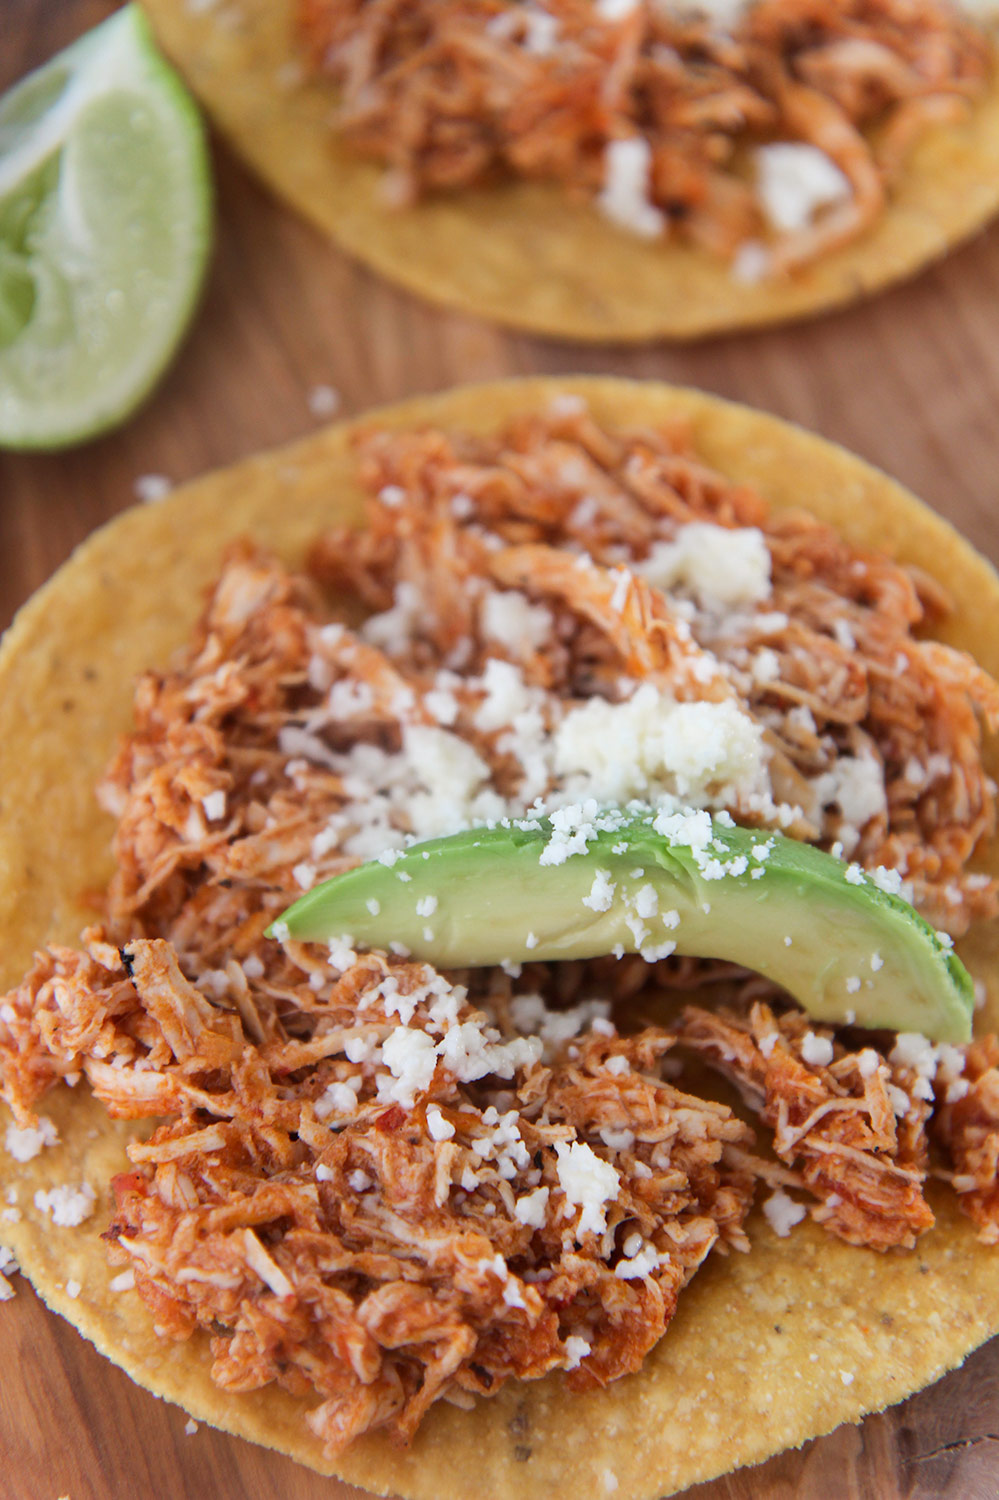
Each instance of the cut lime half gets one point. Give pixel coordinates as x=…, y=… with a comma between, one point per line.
x=105, y=224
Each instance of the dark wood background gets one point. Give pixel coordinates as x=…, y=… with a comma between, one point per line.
x=910, y=381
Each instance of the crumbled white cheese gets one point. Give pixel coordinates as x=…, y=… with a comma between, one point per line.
x=512, y=1295
x=25, y=1145
x=439, y=1128
x=856, y=785
x=324, y=400
x=601, y=895
x=652, y=746
x=795, y=181
x=510, y=619
x=898, y=1099
x=624, y=198
x=214, y=805
x=532, y=1017
x=913, y=1050
x=411, y=1057
x=588, y=1183
x=442, y=705
x=341, y=951
x=540, y=34
x=576, y=1350
x=152, y=487
x=765, y=667
x=470, y=1052
x=724, y=567
x=891, y=882
x=573, y=827
x=123, y=1282
x=338, y=1099
x=394, y=628
x=724, y=13
x=646, y=902
x=529, y=1209
x=981, y=10
x=506, y=697
x=751, y=263
x=451, y=779
x=817, y=1051
x=782, y=1212
x=68, y=1206
x=639, y=1265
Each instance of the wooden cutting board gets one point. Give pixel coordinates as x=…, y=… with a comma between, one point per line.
x=910, y=381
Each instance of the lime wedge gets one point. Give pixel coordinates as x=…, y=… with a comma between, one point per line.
x=105, y=225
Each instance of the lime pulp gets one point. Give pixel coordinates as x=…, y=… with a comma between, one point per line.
x=105, y=226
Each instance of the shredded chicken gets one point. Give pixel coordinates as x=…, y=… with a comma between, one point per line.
x=380, y=1186
x=835, y=1121
x=453, y=94
x=967, y=1126
x=849, y=687
x=375, y=1253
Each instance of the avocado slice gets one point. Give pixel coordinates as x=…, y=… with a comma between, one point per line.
x=584, y=883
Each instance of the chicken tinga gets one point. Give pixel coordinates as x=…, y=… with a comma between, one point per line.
x=380, y=1185
x=614, y=169
x=767, y=132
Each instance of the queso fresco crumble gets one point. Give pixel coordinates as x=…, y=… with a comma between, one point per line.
x=379, y=1185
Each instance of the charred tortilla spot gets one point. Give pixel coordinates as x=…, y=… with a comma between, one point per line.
x=520, y=1423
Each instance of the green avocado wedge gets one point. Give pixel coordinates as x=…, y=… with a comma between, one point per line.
x=585, y=883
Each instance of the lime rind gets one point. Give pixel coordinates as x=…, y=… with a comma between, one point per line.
x=105, y=229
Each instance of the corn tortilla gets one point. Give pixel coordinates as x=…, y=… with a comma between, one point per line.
x=734, y=1379
x=524, y=254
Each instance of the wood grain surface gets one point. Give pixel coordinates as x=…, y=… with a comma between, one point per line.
x=910, y=381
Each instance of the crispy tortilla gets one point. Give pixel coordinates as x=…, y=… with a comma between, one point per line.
x=734, y=1379
x=523, y=254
